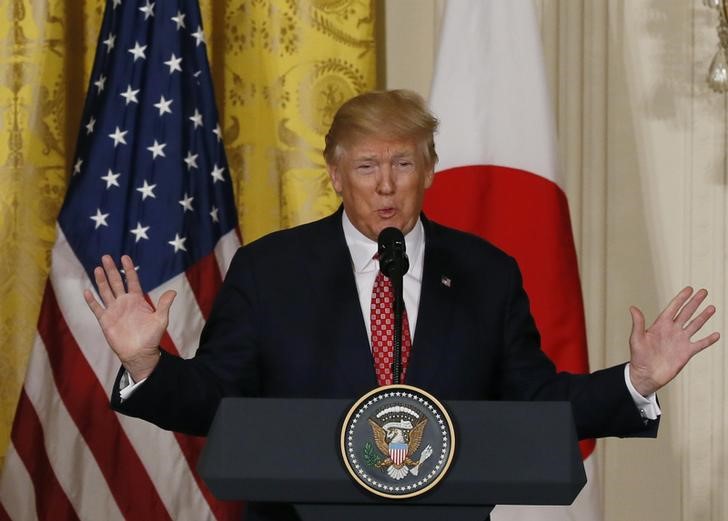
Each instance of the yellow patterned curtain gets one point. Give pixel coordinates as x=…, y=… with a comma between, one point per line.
x=283, y=68
x=280, y=67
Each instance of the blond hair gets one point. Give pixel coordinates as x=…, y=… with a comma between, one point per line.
x=391, y=114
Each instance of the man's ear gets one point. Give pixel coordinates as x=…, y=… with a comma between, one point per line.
x=429, y=178
x=335, y=177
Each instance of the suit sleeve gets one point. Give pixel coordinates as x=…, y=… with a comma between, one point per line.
x=183, y=395
x=601, y=402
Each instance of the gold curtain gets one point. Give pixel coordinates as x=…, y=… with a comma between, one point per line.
x=280, y=69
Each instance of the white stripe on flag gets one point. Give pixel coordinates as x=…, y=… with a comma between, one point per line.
x=158, y=449
x=225, y=250
x=73, y=463
x=69, y=279
x=17, y=494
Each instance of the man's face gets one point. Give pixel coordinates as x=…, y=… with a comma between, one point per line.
x=382, y=183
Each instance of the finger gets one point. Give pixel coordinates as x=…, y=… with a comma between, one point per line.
x=132, y=278
x=107, y=296
x=93, y=304
x=164, y=303
x=638, y=321
x=705, y=342
x=670, y=312
x=698, y=322
x=112, y=273
x=689, y=309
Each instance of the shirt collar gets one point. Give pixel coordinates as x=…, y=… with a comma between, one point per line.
x=362, y=249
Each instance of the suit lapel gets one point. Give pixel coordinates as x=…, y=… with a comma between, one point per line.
x=437, y=301
x=332, y=278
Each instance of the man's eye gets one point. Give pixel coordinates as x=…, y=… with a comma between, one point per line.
x=364, y=166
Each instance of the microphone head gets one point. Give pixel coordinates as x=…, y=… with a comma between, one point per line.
x=392, y=252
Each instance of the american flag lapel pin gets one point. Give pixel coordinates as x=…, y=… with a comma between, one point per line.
x=446, y=281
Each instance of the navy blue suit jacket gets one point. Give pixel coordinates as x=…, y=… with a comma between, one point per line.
x=288, y=323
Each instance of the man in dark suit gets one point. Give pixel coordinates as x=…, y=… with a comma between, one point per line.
x=293, y=316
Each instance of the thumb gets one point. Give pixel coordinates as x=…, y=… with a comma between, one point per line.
x=165, y=302
x=638, y=321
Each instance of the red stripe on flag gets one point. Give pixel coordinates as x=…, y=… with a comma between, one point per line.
x=205, y=280
x=3, y=514
x=27, y=436
x=88, y=405
x=527, y=216
x=191, y=447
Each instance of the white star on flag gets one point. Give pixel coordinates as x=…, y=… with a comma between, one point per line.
x=217, y=174
x=148, y=10
x=163, y=106
x=90, y=125
x=118, y=136
x=100, y=83
x=178, y=243
x=130, y=95
x=174, y=64
x=109, y=42
x=196, y=118
x=191, y=160
x=138, y=51
x=187, y=203
x=117, y=3
x=179, y=20
x=99, y=219
x=140, y=232
x=111, y=179
x=157, y=149
x=77, y=166
x=199, y=36
x=147, y=190
x=218, y=132
x=213, y=214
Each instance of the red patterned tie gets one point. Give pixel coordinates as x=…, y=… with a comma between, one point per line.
x=382, y=321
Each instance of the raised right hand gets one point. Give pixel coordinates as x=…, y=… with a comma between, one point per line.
x=132, y=327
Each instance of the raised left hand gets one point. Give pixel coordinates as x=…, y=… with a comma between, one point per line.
x=659, y=352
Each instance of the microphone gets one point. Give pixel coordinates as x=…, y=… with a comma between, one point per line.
x=393, y=259
x=393, y=263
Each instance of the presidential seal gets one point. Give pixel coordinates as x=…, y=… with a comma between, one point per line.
x=397, y=441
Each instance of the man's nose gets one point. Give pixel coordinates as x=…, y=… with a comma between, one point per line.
x=385, y=183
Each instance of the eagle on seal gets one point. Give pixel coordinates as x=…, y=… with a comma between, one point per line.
x=398, y=441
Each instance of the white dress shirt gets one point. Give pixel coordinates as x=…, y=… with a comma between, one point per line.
x=362, y=250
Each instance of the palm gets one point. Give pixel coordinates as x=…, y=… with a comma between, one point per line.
x=130, y=324
x=660, y=352
x=132, y=327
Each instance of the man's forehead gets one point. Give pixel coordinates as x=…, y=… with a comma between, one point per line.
x=377, y=147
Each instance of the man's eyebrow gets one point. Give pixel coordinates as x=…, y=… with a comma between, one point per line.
x=403, y=153
x=365, y=157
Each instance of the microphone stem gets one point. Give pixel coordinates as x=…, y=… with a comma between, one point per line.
x=397, y=340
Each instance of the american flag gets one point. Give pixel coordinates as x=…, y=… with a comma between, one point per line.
x=149, y=179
